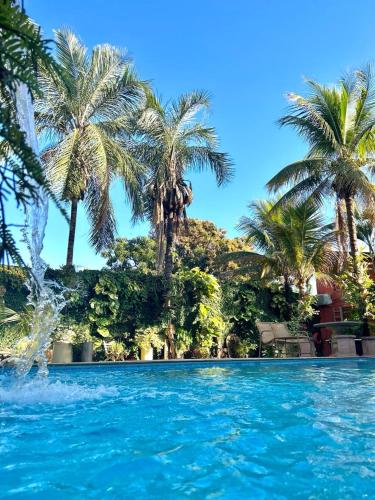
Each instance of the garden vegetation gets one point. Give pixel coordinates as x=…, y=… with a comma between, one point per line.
x=186, y=290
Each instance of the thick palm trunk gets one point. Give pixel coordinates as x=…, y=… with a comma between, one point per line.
x=72, y=233
x=301, y=290
x=342, y=232
x=169, y=249
x=168, y=270
x=352, y=230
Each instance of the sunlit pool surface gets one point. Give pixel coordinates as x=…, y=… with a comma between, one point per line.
x=303, y=429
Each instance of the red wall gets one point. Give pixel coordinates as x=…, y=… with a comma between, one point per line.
x=326, y=313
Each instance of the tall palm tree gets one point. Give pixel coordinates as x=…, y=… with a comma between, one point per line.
x=338, y=124
x=172, y=140
x=81, y=116
x=292, y=242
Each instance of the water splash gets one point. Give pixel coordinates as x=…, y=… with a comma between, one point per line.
x=45, y=297
x=46, y=392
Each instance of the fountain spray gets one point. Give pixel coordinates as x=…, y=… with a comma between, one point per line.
x=46, y=298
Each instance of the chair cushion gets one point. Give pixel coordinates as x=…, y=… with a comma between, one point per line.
x=267, y=337
x=280, y=330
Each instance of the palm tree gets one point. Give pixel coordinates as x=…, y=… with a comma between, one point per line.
x=338, y=124
x=292, y=242
x=365, y=220
x=172, y=140
x=81, y=115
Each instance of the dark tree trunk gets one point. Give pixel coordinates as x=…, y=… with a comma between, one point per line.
x=169, y=249
x=168, y=271
x=352, y=230
x=72, y=233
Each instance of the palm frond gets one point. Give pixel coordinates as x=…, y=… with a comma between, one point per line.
x=295, y=173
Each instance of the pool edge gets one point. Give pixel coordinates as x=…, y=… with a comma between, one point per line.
x=211, y=361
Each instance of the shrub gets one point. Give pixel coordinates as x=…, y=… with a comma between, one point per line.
x=197, y=309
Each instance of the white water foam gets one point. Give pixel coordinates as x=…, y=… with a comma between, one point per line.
x=52, y=393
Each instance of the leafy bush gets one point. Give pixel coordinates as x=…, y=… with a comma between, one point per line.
x=13, y=279
x=247, y=301
x=197, y=310
x=358, y=289
x=136, y=253
x=115, y=351
x=151, y=336
x=124, y=305
x=104, y=306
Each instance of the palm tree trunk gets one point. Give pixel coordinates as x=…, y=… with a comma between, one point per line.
x=169, y=249
x=72, y=232
x=342, y=233
x=168, y=270
x=301, y=290
x=352, y=229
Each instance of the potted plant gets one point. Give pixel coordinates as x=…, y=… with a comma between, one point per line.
x=115, y=351
x=147, y=339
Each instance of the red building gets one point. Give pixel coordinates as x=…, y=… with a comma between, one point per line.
x=331, y=308
x=330, y=303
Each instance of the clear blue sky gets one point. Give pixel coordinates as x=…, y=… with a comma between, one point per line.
x=246, y=53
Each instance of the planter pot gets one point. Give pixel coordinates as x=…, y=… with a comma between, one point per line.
x=368, y=346
x=232, y=345
x=62, y=352
x=147, y=354
x=87, y=350
x=343, y=345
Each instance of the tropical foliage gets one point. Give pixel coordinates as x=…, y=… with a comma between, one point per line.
x=137, y=253
x=338, y=124
x=358, y=289
x=202, y=243
x=293, y=243
x=22, y=50
x=247, y=300
x=199, y=321
x=185, y=290
x=172, y=139
x=82, y=115
x=366, y=230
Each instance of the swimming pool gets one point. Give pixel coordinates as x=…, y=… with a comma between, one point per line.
x=294, y=429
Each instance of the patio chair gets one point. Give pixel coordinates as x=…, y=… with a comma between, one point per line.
x=279, y=334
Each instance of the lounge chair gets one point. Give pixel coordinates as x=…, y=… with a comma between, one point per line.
x=278, y=334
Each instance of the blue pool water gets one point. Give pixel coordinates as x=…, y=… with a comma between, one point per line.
x=303, y=429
